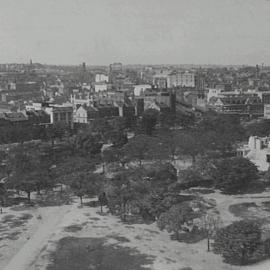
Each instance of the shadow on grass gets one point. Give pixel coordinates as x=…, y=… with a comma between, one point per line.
x=14, y=222
x=243, y=209
x=94, y=253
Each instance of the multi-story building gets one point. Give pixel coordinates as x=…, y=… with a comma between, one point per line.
x=60, y=114
x=141, y=88
x=116, y=67
x=84, y=114
x=100, y=77
x=237, y=103
x=257, y=151
x=160, y=81
x=101, y=86
x=266, y=112
x=182, y=79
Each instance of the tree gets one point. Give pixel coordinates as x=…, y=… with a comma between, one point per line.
x=149, y=121
x=55, y=131
x=23, y=171
x=220, y=132
x=102, y=198
x=190, y=177
x=29, y=170
x=85, y=184
x=238, y=242
x=191, y=143
x=119, y=138
x=233, y=175
x=137, y=148
x=259, y=128
x=175, y=217
x=70, y=168
x=177, y=119
x=210, y=225
x=3, y=194
x=170, y=143
x=88, y=143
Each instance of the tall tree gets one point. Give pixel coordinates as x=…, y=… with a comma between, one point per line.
x=149, y=121
x=138, y=147
x=86, y=184
x=233, y=175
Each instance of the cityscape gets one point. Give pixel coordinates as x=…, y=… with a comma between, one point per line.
x=122, y=147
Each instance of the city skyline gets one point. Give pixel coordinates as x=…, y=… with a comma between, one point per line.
x=100, y=32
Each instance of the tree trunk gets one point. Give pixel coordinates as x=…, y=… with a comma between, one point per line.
x=101, y=210
x=123, y=164
x=29, y=196
x=81, y=200
x=208, y=243
x=177, y=235
x=124, y=208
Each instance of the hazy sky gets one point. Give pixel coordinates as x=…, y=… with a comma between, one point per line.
x=135, y=31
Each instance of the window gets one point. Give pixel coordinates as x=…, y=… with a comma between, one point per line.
x=268, y=158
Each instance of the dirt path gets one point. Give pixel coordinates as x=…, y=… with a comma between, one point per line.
x=51, y=219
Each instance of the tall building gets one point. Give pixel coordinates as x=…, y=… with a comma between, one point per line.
x=115, y=71
x=116, y=67
x=183, y=79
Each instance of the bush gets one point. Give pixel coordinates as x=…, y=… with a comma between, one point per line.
x=234, y=175
x=240, y=243
x=174, y=219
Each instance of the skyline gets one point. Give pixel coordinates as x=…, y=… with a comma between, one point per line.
x=99, y=32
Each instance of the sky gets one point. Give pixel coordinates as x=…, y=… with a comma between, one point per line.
x=100, y=32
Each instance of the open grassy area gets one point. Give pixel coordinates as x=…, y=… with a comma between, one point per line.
x=94, y=253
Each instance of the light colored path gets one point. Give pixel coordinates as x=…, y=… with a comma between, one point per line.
x=51, y=219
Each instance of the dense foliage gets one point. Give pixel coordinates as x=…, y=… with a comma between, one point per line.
x=240, y=243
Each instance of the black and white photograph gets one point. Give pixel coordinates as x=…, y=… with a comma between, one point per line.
x=134, y=135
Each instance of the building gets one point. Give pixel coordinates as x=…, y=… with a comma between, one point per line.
x=140, y=89
x=160, y=81
x=100, y=77
x=266, y=112
x=265, y=96
x=10, y=95
x=38, y=117
x=101, y=86
x=257, y=151
x=107, y=110
x=60, y=114
x=116, y=67
x=84, y=114
x=237, y=103
x=213, y=92
x=15, y=117
x=81, y=98
x=5, y=107
x=182, y=79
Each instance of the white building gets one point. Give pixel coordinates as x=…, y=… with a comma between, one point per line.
x=140, y=89
x=60, y=114
x=35, y=106
x=183, y=79
x=257, y=151
x=101, y=78
x=213, y=92
x=100, y=87
x=266, y=112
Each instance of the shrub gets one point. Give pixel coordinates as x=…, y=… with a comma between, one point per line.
x=240, y=243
